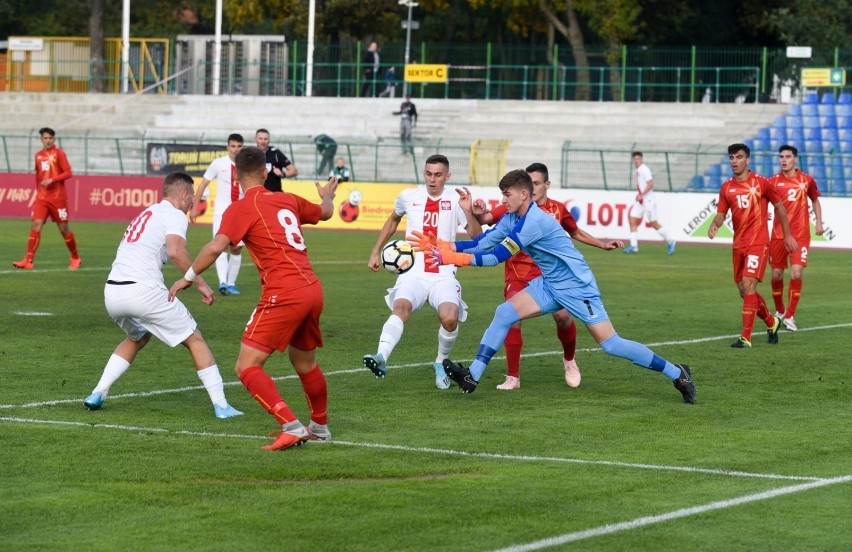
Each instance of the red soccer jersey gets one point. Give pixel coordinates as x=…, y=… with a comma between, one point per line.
x=270, y=224
x=748, y=202
x=53, y=164
x=521, y=266
x=795, y=192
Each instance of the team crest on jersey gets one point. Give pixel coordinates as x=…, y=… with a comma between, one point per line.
x=446, y=205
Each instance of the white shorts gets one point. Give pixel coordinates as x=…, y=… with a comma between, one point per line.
x=418, y=290
x=138, y=309
x=647, y=209
x=217, y=222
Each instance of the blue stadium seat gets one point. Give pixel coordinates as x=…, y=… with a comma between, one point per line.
x=828, y=98
x=846, y=157
x=812, y=98
x=778, y=133
x=813, y=146
x=844, y=121
x=830, y=134
x=776, y=143
x=818, y=173
x=795, y=136
x=847, y=172
x=810, y=110
x=813, y=133
x=714, y=170
x=845, y=99
x=780, y=122
x=725, y=169
x=828, y=121
x=842, y=110
x=794, y=121
x=815, y=161
x=844, y=134
x=760, y=145
x=825, y=109
x=764, y=134
x=810, y=122
x=712, y=184
x=750, y=143
x=696, y=184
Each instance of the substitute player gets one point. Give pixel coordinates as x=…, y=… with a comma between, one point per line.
x=436, y=211
x=51, y=172
x=566, y=281
x=645, y=206
x=228, y=190
x=137, y=299
x=520, y=270
x=747, y=195
x=291, y=302
x=796, y=188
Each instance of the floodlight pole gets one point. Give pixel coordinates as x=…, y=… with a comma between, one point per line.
x=411, y=4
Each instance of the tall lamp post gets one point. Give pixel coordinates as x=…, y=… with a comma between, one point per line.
x=411, y=4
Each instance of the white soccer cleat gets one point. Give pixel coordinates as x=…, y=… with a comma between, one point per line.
x=510, y=384
x=790, y=324
x=319, y=432
x=572, y=373
x=779, y=316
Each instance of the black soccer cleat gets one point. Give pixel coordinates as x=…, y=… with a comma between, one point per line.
x=460, y=375
x=684, y=384
x=741, y=343
x=772, y=333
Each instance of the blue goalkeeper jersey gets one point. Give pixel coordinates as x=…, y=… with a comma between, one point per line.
x=543, y=239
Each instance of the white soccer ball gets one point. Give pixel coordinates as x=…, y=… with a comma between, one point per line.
x=398, y=256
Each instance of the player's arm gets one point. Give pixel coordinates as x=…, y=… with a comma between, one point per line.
x=290, y=171
x=388, y=229
x=648, y=186
x=413, y=115
x=481, y=212
x=176, y=250
x=781, y=213
x=196, y=199
x=582, y=236
x=326, y=193
x=818, y=213
x=714, y=226
x=64, y=167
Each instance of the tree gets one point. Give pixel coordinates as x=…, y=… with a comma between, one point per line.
x=96, y=45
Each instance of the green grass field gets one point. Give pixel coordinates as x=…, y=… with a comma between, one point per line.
x=760, y=462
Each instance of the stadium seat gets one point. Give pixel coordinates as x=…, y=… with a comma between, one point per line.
x=714, y=170
x=810, y=110
x=795, y=136
x=794, y=121
x=845, y=99
x=845, y=146
x=814, y=133
x=818, y=173
x=811, y=98
x=813, y=146
x=844, y=134
x=825, y=109
x=795, y=109
x=810, y=121
x=764, y=134
x=696, y=184
x=776, y=143
x=726, y=170
x=827, y=121
x=844, y=121
x=760, y=145
x=778, y=133
x=829, y=134
x=847, y=172
x=828, y=98
x=843, y=110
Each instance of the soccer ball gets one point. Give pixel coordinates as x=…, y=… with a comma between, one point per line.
x=398, y=256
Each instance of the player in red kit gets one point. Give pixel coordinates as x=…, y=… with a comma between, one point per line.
x=520, y=270
x=52, y=170
x=288, y=312
x=747, y=195
x=796, y=188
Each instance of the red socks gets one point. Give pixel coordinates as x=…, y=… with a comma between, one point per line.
x=263, y=390
x=749, y=312
x=778, y=294
x=514, y=342
x=71, y=245
x=32, y=244
x=316, y=391
x=793, y=300
x=568, y=338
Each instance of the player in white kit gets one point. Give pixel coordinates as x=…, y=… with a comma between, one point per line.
x=434, y=210
x=228, y=190
x=137, y=298
x=645, y=206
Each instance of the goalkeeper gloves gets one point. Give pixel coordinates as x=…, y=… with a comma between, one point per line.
x=443, y=254
x=422, y=242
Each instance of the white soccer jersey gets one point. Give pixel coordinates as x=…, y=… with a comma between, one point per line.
x=228, y=189
x=142, y=251
x=441, y=216
x=643, y=175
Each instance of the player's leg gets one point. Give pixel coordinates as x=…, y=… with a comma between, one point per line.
x=405, y=298
x=120, y=360
x=796, y=273
x=208, y=372
x=634, y=218
x=59, y=212
x=655, y=224
x=778, y=263
x=566, y=331
x=514, y=342
x=612, y=344
x=222, y=260
x=445, y=298
x=39, y=214
x=235, y=261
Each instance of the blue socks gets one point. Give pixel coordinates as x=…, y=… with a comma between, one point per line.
x=504, y=316
x=639, y=354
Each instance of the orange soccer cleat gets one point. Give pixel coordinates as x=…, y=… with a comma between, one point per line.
x=289, y=439
x=75, y=263
x=24, y=264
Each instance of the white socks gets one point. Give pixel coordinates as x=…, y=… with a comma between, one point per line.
x=391, y=334
x=212, y=380
x=222, y=268
x=662, y=231
x=115, y=367
x=234, y=262
x=446, y=340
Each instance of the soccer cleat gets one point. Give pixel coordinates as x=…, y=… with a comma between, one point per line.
x=223, y=288
x=319, y=432
x=741, y=343
x=671, y=247
x=460, y=375
x=377, y=364
x=24, y=264
x=630, y=249
x=289, y=439
x=75, y=263
x=94, y=401
x=779, y=315
x=772, y=333
x=572, y=373
x=232, y=290
x=442, y=381
x=790, y=324
x=510, y=384
x=684, y=384
x=226, y=411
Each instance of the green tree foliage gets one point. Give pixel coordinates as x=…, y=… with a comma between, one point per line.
x=816, y=23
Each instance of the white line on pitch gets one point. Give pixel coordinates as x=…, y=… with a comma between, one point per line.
x=676, y=514
x=106, y=269
x=429, y=450
x=392, y=367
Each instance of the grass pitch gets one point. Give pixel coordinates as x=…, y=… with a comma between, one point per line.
x=761, y=462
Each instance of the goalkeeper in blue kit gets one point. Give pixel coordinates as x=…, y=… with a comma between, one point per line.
x=566, y=281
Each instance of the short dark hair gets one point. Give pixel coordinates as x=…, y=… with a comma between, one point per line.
x=250, y=161
x=236, y=138
x=734, y=148
x=258, y=131
x=46, y=130
x=639, y=153
x=438, y=159
x=175, y=181
x=791, y=149
x=517, y=178
x=539, y=168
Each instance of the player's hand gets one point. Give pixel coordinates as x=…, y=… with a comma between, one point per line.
x=819, y=228
x=178, y=286
x=465, y=199
x=479, y=207
x=711, y=232
x=207, y=295
x=373, y=264
x=612, y=244
x=791, y=244
x=444, y=254
x=327, y=190
x=422, y=242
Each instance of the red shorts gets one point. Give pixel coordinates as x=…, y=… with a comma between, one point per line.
x=290, y=318
x=750, y=262
x=778, y=253
x=57, y=209
x=512, y=287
